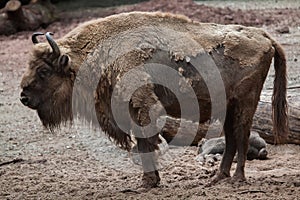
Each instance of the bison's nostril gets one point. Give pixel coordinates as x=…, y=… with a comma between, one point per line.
x=24, y=100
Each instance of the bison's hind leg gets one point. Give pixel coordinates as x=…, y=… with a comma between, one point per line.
x=244, y=115
x=230, y=147
x=245, y=109
x=237, y=130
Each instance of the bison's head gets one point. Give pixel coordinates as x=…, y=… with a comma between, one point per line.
x=47, y=83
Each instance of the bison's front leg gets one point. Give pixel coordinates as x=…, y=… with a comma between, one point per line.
x=146, y=148
x=145, y=109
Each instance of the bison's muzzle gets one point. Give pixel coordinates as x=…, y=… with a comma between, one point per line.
x=28, y=101
x=24, y=99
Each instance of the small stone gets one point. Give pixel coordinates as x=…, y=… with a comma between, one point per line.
x=283, y=30
x=187, y=59
x=228, y=17
x=297, y=184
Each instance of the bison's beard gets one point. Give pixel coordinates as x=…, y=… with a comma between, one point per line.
x=55, y=112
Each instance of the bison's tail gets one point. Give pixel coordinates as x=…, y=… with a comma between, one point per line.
x=279, y=102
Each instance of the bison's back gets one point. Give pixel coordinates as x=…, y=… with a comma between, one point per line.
x=241, y=43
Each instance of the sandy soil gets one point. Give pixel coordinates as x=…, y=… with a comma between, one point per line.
x=81, y=163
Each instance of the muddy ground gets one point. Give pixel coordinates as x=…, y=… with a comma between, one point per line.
x=79, y=162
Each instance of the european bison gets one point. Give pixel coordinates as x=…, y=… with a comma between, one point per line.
x=118, y=44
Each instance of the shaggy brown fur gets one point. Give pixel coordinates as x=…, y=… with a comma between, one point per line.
x=108, y=48
x=51, y=96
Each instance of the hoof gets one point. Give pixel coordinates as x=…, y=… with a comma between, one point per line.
x=217, y=178
x=238, y=178
x=237, y=181
x=150, y=179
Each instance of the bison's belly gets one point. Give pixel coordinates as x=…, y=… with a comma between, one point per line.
x=174, y=106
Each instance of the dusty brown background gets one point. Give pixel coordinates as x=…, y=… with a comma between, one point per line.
x=80, y=163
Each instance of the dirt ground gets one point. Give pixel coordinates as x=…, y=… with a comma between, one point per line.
x=79, y=162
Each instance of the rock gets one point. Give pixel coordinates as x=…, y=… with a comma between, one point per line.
x=211, y=150
x=257, y=147
x=283, y=30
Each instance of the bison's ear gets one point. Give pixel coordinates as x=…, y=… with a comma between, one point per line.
x=63, y=64
x=63, y=61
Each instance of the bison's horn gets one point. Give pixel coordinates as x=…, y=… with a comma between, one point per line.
x=52, y=43
x=33, y=37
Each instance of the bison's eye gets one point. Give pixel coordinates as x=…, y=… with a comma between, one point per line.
x=44, y=72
